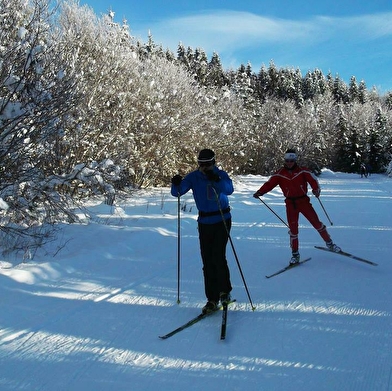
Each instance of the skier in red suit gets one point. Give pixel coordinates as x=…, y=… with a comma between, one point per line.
x=294, y=180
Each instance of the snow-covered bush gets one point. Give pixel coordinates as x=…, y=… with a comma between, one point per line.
x=389, y=168
x=38, y=103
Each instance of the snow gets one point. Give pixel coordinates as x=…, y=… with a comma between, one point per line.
x=89, y=317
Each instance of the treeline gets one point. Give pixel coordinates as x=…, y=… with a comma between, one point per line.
x=331, y=123
x=86, y=109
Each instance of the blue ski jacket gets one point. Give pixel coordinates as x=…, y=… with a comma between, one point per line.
x=210, y=197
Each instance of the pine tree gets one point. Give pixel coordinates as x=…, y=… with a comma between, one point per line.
x=262, y=84
x=388, y=100
x=377, y=154
x=200, y=66
x=215, y=76
x=353, y=90
x=273, y=77
x=181, y=55
x=343, y=159
x=362, y=92
x=340, y=91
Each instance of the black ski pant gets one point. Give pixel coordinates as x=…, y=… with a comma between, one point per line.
x=213, y=240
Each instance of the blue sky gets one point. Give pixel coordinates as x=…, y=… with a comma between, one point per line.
x=348, y=38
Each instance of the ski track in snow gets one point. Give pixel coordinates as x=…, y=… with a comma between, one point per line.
x=91, y=319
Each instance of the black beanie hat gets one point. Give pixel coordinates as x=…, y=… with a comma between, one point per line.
x=206, y=155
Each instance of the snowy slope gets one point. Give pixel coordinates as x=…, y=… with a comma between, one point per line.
x=89, y=318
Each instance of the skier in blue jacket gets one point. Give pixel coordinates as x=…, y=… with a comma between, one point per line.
x=210, y=187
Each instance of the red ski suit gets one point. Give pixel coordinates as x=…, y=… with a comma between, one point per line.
x=294, y=184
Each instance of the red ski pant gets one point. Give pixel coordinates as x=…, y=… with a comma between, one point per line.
x=295, y=206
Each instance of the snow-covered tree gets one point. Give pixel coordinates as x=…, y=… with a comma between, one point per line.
x=34, y=98
x=38, y=101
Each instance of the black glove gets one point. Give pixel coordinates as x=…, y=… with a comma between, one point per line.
x=257, y=194
x=212, y=176
x=316, y=192
x=176, y=180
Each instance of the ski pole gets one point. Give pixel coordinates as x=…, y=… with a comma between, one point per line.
x=325, y=211
x=240, y=269
x=178, y=245
x=234, y=251
x=274, y=213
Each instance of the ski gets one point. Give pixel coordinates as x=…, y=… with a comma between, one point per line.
x=196, y=319
x=224, y=321
x=348, y=255
x=224, y=318
x=288, y=267
x=187, y=324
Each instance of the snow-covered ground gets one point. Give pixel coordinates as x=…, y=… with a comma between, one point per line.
x=89, y=318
